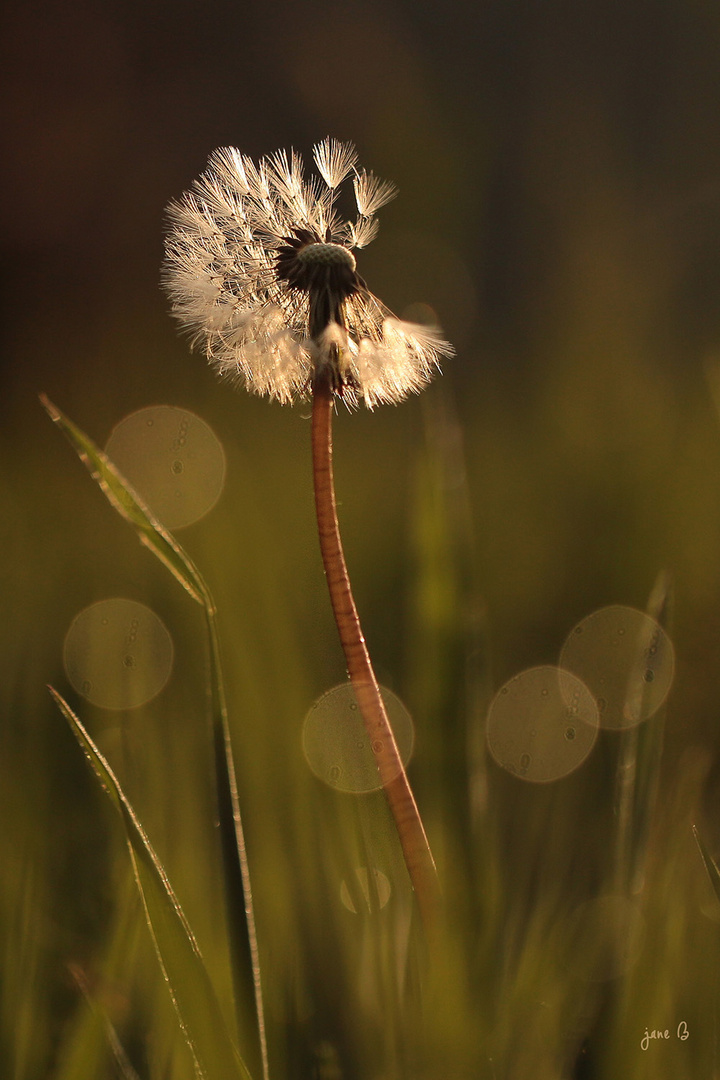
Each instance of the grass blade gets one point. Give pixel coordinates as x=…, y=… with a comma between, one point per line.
x=101, y=1017
x=199, y=1014
x=713, y=871
x=130, y=506
x=639, y=767
x=244, y=952
x=241, y=917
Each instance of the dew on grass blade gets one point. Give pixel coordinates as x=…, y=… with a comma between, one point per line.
x=542, y=724
x=118, y=654
x=337, y=747
x=172, y=459
x=626, y=659
x=369, y=893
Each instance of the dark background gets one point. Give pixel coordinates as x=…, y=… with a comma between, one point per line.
x=559, y=209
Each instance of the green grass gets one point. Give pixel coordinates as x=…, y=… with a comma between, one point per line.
x=529, y=976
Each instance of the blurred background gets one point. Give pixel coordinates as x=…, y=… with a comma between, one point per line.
x=558, y=168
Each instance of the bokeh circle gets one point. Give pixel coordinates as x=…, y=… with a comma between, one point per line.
x=367, y=893
x=118, y=654
x=626, y=659
x=542, y=724
x=337, y=747
x=172, y=459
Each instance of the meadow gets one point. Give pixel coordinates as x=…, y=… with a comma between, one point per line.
x=557, y=215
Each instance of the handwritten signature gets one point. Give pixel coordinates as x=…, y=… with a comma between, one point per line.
x=681, y=1033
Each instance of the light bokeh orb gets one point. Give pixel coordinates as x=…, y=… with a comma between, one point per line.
x=337, y=747
x=626, y=659
x=118, y=654
x=542, y=724
x=367, y=893
x=172, y=459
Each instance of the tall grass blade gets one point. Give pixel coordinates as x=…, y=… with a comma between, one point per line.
x=449, y=599
x=244, y=952
x=130, y=506
x=713, y=871
x=639, y=768
x=449, y=653
x=91, y=1039
x=199, y=1014
x=241, y=918
x=100, y=1015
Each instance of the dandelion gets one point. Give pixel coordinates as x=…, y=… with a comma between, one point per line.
x=261, y=272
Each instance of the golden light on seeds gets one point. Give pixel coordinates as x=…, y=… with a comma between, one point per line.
x=118, y=654
x=337, y=747
x=626, y=659
x=174, y=461
x=542, y=724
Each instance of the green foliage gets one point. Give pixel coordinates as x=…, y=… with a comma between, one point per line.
x=199, y=1014
x=130, y=506
x=241, y=922
x=535, y=972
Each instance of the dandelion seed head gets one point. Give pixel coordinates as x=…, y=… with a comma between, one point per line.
x=260, y=270
x=326, y=255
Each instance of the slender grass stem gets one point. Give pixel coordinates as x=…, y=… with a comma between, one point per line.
x=639, y=763
x=242, y=929
x=413, y=840
x=236, y=877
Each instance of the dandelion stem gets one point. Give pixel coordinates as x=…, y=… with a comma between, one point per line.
x=414, y=843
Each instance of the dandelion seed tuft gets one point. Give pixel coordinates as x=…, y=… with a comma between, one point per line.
x=260, y=270
x=371, y=193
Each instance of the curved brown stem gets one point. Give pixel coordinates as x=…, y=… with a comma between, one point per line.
x=416, y=850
